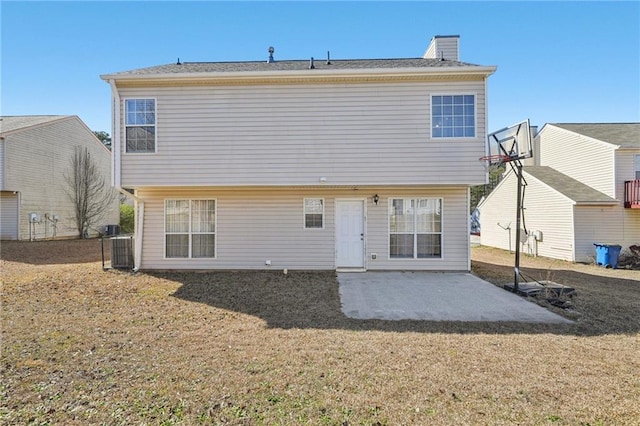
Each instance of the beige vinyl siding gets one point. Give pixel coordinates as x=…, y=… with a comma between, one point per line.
x=259, y=224
x=545, y=210
x=455, y=231
x=602, y=225
x=37, y=160
x=584, y=159
x=365, y=134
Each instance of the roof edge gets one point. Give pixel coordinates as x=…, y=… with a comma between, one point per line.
x=34, y=126
x=466, y=70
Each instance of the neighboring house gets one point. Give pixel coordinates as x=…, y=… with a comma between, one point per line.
x=35, y=157
x=575, y=194
x=302, y=164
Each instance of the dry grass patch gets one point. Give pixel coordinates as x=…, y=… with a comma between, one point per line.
x=83, y=346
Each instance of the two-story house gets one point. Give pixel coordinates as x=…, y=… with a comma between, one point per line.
x=36, y=153
x=582, y=189
x=302, y=164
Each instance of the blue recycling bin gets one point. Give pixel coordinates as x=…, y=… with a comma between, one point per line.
x=607, y=255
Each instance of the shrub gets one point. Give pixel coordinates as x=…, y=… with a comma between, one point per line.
x=126, y=219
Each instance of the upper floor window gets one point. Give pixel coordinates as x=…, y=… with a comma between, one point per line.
x=453, y=116
x=140, y=125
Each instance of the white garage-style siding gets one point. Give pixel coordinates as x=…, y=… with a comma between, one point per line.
x=498, y=211
x=551, y=213
x=259, y=224
x=9, y=216
x=37, y=160
x=570, y=153
x=355, y=134
x=2, y=165
x=545, y=210
x=598, y=224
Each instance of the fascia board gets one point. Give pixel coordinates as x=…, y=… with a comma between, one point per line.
x=382, y=72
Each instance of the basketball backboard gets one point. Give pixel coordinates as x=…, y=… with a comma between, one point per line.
x=513, y=142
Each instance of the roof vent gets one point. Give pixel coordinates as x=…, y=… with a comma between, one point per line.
x=178, y=63
x=311, y=64
x=271, y=50
x=328, y=58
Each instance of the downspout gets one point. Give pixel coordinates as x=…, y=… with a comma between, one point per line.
x=468, y=207
x=116, y=177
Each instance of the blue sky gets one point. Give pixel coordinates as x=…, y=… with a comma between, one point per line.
x=557, y=61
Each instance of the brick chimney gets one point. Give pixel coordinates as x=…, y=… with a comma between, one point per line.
x=445, y=47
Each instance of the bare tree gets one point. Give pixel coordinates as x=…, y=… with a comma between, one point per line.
x=88, y=190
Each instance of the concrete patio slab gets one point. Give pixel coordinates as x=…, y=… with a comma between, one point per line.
x=434, y=296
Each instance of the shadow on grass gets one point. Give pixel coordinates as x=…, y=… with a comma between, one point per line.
x=311, y=300
x=54, y=252
x=605, y=304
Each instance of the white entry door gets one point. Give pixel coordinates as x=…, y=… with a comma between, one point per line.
x=349, y=233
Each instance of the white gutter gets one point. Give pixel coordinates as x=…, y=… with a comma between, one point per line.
x=116, y=154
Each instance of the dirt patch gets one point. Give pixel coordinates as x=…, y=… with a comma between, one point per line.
x=83, y=346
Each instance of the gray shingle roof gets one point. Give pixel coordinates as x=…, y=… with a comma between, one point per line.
x=294, y=65
x=626, y=135
x=17, y=122
x=571, y=188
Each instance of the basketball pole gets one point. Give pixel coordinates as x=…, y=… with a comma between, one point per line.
x=511, y=145
x=516, y=268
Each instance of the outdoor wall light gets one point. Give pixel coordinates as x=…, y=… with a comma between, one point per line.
x=376, y=199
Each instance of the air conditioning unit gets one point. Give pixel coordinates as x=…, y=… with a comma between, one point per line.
x=121, y=252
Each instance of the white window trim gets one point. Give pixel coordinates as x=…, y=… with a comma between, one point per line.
x=124, y=123
x=415, y=240
x=304, y=213
x=165, y=233
x=475, y=115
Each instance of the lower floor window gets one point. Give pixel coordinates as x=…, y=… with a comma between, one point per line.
x=415, y=228
x=190, y=228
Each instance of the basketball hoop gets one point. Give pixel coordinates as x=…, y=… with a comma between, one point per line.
x=494, y=160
